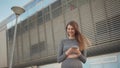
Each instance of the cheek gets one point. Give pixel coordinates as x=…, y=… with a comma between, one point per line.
x=68, y=31
x=73, y=31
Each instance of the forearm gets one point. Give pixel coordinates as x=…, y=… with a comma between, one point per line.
x=82, y=58
x=61, y=57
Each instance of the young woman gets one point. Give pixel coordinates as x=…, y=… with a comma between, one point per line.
x=71, y=51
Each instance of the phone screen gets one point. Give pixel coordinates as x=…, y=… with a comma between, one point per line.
x=74, y=47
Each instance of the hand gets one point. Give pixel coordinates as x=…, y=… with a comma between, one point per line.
x=72, y=56
x=77, y=51
x=68, y=51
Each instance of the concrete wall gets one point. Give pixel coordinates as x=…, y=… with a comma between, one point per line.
x=3, y=48
x=107, y=61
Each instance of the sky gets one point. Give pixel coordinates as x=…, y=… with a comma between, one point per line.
x=6, y=12
x=6, y=5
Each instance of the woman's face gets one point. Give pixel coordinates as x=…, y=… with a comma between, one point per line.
x=70, y=31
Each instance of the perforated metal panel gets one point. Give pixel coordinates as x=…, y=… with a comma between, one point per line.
x=42, y=38
x=32, y=21
x=46, y=10
x=82, y=2
x=49, y=38
x=11, y=33
x=114, y=27
x=37, y=48
x=102, y=34
x=98, y=10
x=24, y=26
x=69, y=5
x=57, y=12
x=34, y=49
x=56, y=4
x=39, y=14
x=46, y=15
x=106, y=27
x=33, y=32
x=105, y=48
x=15, y=59
x=20, y=49
x=112, y=7
x=25, y=40
x=108, y=30
x=59, y=31
x=86, y=25
x=19, y=29
x=40, y=17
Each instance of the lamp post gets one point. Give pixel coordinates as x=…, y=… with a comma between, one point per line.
x=18, y=11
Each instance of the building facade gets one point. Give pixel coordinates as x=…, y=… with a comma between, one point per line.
x=39, y=35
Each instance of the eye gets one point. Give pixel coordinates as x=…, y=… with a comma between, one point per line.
x=68, y=28
x=72, y=28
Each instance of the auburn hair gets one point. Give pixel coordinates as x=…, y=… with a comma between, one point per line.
x=82, y=40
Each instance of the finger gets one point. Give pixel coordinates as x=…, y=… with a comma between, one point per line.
x=77, y=48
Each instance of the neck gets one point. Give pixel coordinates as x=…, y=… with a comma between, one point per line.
x=71, y=37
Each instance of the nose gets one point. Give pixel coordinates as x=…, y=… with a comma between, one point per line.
x=70, y=30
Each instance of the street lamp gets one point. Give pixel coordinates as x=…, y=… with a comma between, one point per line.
x=18, y=11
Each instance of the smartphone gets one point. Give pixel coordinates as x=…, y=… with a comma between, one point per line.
x=74, y=47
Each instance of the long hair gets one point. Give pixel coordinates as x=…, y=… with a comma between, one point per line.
x=82, y=40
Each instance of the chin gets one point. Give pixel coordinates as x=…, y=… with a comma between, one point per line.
x=72, y=35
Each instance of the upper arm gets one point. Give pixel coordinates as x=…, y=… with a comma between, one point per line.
x=60, y=49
